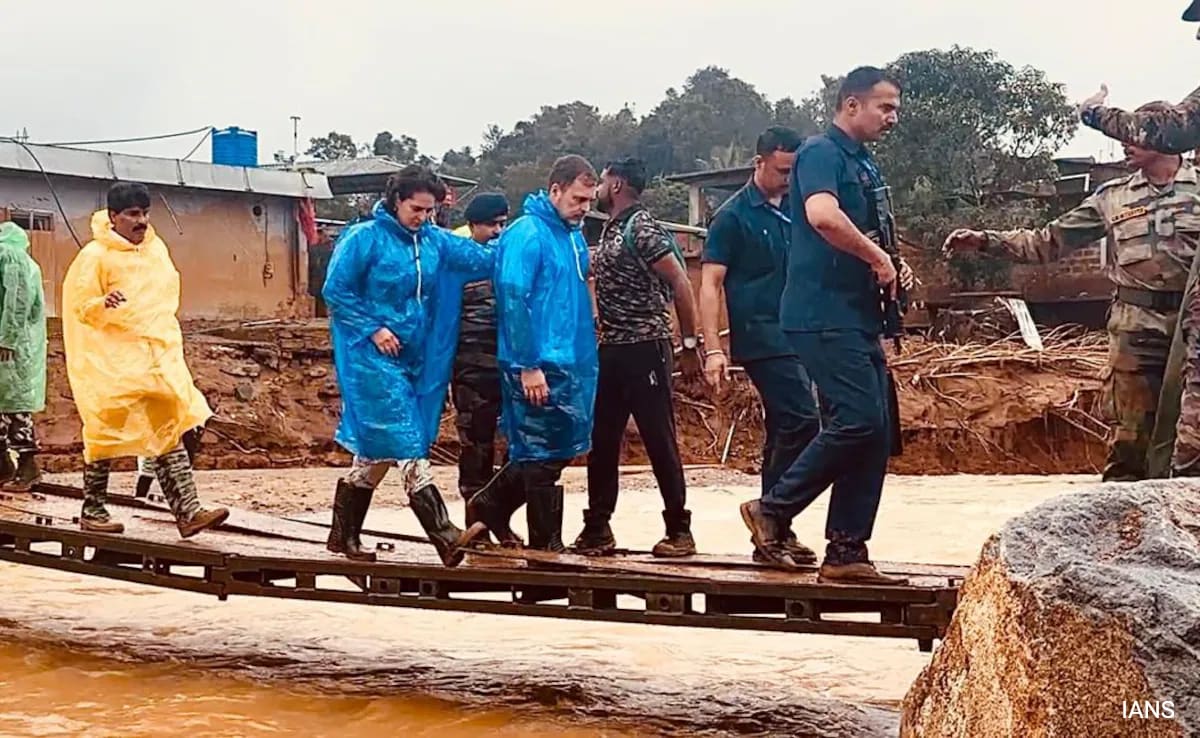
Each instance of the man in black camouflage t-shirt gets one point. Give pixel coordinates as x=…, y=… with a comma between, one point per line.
x=637, y=277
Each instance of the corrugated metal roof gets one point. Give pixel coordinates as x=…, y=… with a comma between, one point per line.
x=108, y=165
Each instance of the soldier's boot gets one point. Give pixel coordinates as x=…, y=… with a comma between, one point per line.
x=596, y=538
x=495, y=504
x=764, y=533
x=27, y=473
x=343, y=536
x=94, y=516
x=360, y=502
x=178, y=483
x=8, y=469
x=449, y=540
x=678, y=541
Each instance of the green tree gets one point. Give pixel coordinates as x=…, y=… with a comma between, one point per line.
x=402, y=150
x=333, y=146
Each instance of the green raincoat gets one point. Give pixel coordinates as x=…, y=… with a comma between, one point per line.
x=22, y=325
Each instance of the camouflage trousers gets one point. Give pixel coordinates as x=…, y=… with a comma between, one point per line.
x=173, y=470
x=475, y=392
x=16, y=433
x=1136, y=363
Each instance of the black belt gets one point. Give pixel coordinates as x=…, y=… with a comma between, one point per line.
x=1150, y=299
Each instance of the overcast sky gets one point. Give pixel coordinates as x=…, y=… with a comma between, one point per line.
x=442, y=71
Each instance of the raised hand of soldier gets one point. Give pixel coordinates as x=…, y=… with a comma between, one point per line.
x=963, y=240
x=1095, y=100
x=386, y=342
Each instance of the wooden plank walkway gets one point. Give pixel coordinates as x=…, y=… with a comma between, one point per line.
x=261, y=555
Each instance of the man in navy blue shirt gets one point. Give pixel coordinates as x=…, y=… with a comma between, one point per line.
x=832, y=313
x=745, y=257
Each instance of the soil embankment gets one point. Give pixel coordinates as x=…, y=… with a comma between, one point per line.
x=998, y=408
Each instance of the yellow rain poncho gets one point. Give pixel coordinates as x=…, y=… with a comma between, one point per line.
x=131, y=385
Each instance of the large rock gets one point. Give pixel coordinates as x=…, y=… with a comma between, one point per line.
x=1077, y=611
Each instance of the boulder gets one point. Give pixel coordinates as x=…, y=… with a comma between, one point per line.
x=1080, y=619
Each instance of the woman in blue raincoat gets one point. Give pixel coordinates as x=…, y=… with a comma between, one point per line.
x=394, y=291
x=547, y=353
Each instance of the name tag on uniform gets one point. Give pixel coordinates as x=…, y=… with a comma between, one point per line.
x=1125, y=215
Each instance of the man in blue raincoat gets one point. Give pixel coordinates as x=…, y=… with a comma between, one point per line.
x=394, y=291
x=547, y=353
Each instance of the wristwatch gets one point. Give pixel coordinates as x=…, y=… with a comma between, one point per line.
x=690, y=343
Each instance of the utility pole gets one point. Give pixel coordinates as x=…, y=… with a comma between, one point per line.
x=295, y=137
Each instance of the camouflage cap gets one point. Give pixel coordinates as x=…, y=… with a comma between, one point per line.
x=1192, y=14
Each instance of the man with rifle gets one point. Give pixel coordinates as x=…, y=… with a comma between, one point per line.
x=840, y=276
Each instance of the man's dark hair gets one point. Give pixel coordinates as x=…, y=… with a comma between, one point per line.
x=411, y=180
x=861, y=81
x=777, y=138
x=569, y=168
x=631, y=170
x=125, y=195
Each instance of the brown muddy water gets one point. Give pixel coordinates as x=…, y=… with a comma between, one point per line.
x=89, y=657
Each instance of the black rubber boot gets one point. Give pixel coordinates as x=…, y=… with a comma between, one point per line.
x=678, y=541
x=360, y=502
x=495, y=504
x=8, y=469
x=472, y=518
x=447, y=538
x=342, y=536
x=597, y=538
x=544, y=513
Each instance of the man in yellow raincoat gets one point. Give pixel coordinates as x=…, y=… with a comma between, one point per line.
x=22, y=358
x=125, y=361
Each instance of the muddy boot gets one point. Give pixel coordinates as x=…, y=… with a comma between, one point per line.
x=178, y=484
x=472, y=518
x=8, y=469
x=360, y=502
x=495, y=504
x=597, y=538
x=764, y=533
x=27, y=474
x=447, y=538
x=678, y=541
x=847, y=562
x=343, y=536
x=94, y=516
x=801, y=554
x=544, y=513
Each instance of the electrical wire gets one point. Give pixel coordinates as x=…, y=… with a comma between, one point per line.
x=49, y=184
x=196, y=148
x=126, y=140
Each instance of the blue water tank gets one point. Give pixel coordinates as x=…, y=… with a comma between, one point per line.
x=235, y=147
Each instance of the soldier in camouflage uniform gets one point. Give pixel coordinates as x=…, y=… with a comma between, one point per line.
x=475, y=386
x=1175, y=129
x=1150, y=223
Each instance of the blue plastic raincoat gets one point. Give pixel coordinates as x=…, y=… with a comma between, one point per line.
x=22, y=325
x=545, y=321
x=384, y=276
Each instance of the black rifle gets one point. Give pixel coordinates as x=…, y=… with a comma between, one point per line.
x=894, y=308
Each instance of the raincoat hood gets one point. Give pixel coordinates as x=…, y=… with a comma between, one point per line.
x=13, y=238
x=380, y=213
x=539, y=206
x=103, y=233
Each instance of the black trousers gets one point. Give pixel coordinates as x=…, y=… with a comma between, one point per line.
x=791, y=412
x=475, y=391
x=635, y=379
